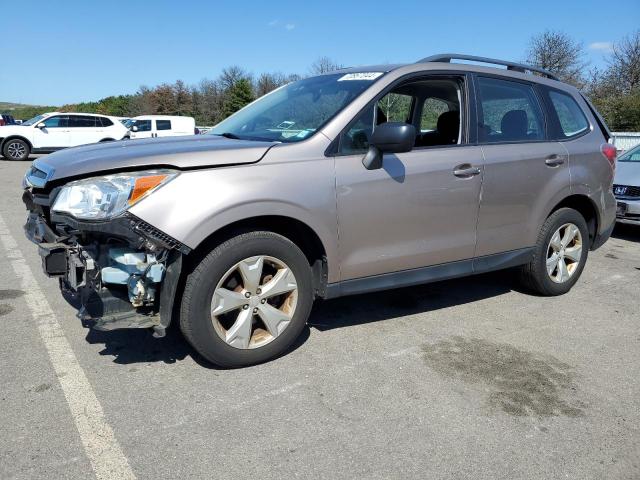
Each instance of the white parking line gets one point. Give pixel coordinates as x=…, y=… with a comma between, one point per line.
x=97, y=436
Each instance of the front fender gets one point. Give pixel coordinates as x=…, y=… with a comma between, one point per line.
x=198, y=203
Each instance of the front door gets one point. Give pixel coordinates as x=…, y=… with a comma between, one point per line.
x=54, y=135
x=421, y=208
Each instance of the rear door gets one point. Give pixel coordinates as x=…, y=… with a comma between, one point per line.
x=524, y=169
x=83, y=130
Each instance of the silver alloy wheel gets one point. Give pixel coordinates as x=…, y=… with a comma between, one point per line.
x=254, y=302
x=564, y=253
x=16, y=150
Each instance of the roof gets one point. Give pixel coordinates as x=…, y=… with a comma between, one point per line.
x=445, y=61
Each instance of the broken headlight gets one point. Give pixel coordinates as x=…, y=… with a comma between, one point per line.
x=100, y=198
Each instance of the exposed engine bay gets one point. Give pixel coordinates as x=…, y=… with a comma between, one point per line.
x=114, y=272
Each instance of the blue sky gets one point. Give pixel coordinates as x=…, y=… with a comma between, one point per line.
x=68, y=51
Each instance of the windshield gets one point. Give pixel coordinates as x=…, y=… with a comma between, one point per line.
x=295, y=111
x=632, y=155
x=34, y=120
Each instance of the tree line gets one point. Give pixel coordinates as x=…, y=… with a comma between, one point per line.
x=615, y=89
x=209, y=101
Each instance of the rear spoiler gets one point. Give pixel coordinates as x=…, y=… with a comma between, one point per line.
x=601, y=123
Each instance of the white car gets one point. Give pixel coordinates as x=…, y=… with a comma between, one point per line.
x=53, y=131
x=152, y=126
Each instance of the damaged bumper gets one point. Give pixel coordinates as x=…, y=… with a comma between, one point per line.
x=121, y=273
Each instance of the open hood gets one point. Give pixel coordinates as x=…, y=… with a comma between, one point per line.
x=179, y=152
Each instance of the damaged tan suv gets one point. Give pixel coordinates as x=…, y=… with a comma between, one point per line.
x=354, y=181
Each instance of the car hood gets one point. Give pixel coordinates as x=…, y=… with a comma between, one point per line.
x=6, y=130
x=186, y=152
x=627, y=173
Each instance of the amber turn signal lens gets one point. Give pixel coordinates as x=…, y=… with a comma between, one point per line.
x=143, y=185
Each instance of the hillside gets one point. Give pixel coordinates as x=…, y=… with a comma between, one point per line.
x=23, y=111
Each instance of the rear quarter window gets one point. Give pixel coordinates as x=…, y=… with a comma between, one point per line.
x=571, y=119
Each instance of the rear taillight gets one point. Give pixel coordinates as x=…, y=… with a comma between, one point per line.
x=610, y=153
x=1, y=122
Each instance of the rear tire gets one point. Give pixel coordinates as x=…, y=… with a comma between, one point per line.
x=226, y=281
x=16, y=149
x=560, y=254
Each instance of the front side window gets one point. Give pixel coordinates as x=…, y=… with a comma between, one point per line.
x=509, y=112
x=570, y=116
x=163, y=124
x=141, y=125
x=432, y=106
x=105, y=121
x=57, y=121
x=394, y=107
x=296, y=111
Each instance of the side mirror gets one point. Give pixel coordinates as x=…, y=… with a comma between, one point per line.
x=41, y=125
x=390, y=137
x=134, y=128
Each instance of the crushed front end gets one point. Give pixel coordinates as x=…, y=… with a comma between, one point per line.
x=117, y=270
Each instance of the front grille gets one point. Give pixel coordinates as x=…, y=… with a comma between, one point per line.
x=626, y=191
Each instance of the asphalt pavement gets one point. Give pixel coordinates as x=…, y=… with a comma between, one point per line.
x=470, y=378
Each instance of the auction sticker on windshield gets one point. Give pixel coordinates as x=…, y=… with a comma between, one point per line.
x=360, y=76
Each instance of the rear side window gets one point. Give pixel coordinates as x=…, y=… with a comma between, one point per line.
x=570, y=116
x=82, y=121
x=163, y=124
x=105, y=121
x=509, y=112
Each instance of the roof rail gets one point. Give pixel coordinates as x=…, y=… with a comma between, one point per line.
x=517, y=67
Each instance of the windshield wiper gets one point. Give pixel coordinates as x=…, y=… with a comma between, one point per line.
x=230, y=135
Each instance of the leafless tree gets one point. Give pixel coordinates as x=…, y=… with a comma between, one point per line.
x=232, y=75
x=624, y=64
x=560, y=54
x=324, y=65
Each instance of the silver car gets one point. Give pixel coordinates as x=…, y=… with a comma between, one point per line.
x=626, y=187
x=355, y=181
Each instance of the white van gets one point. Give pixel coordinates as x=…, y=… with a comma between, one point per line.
x=151, y=126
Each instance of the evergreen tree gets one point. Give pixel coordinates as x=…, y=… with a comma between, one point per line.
x=237, y=96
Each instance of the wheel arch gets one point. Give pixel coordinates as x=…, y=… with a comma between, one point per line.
x=586, y=207
x=291, y=228
x=12, y=137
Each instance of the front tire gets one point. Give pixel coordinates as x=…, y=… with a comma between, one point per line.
x=248, y=300
x=16, y=149
x=560, y=254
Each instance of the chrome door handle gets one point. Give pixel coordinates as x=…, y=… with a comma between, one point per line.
x=554, y=160
x=466, y=170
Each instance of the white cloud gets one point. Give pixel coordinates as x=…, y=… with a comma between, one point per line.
x=273, y=23
x=601, y=46
x=289, y=26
